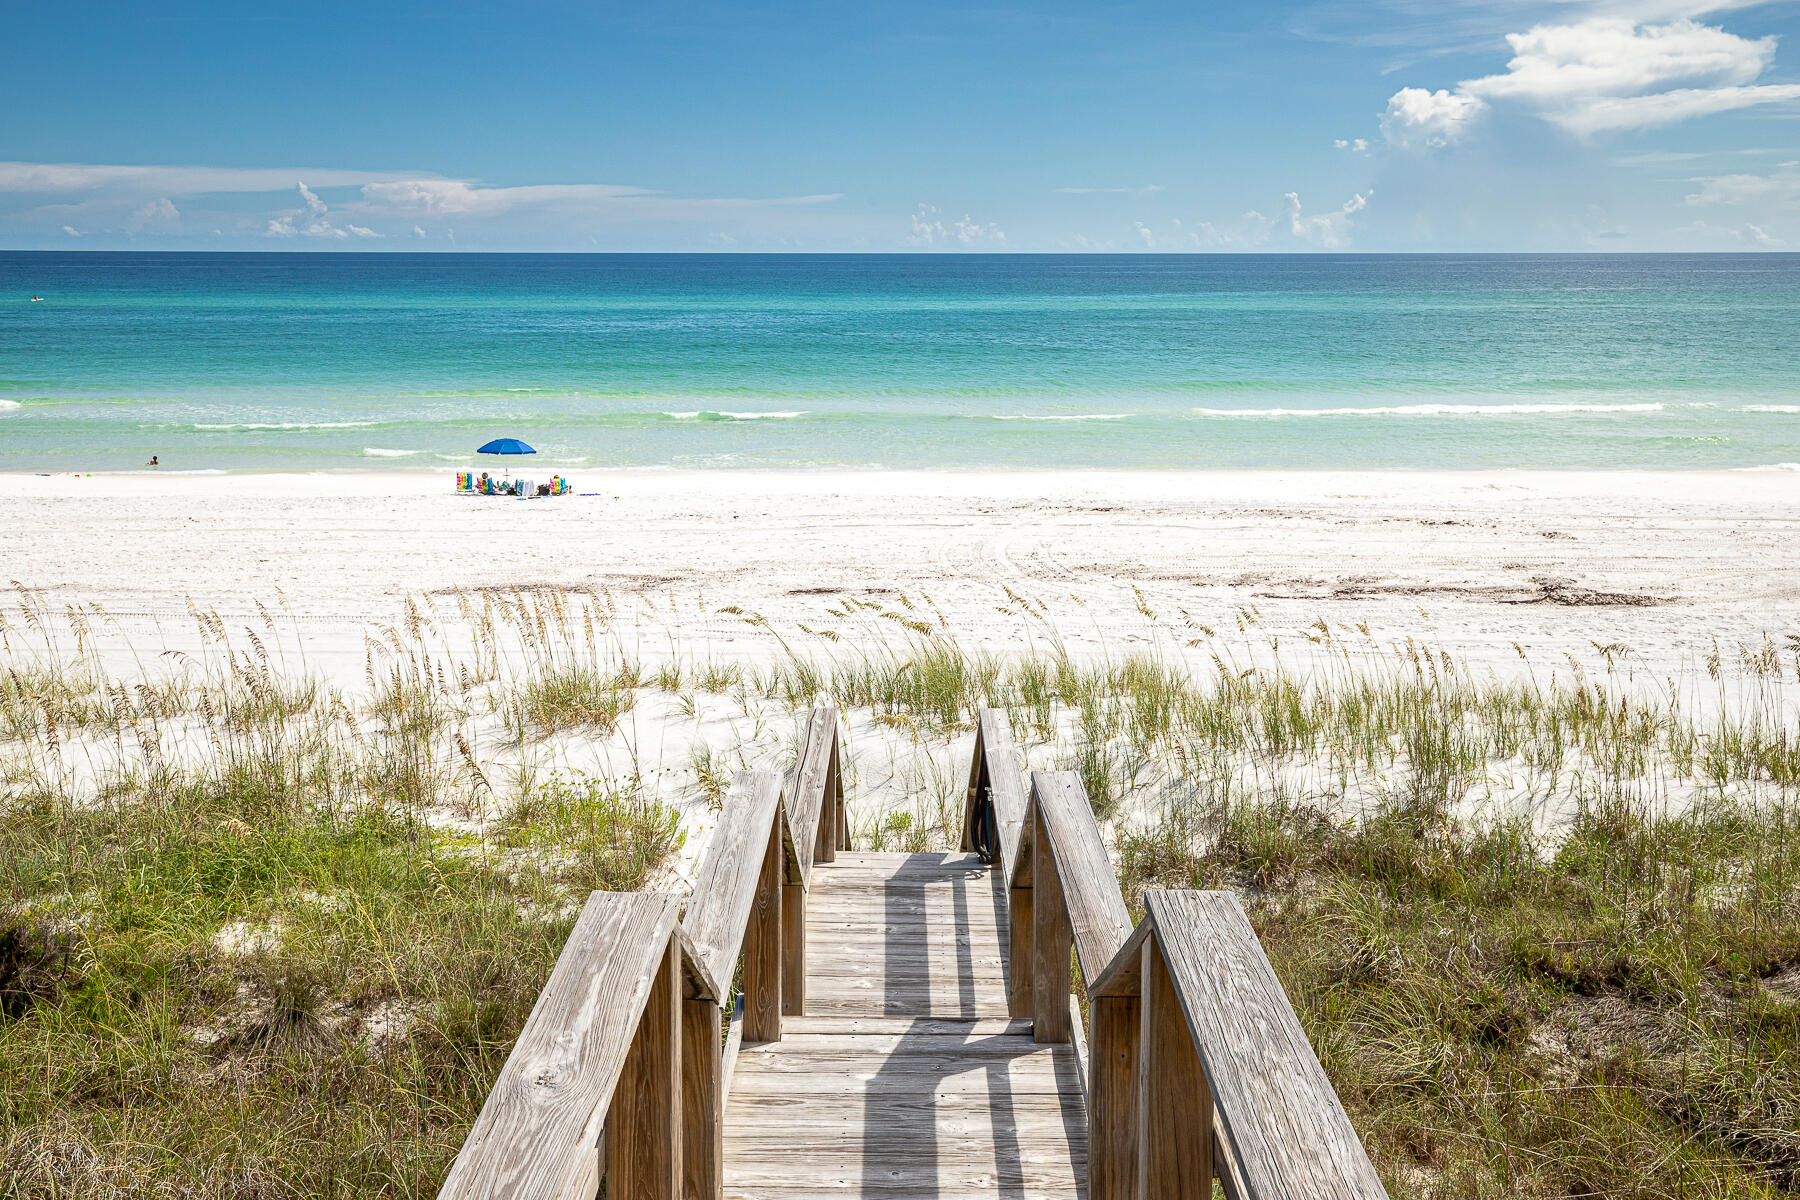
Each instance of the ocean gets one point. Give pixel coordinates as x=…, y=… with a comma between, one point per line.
x=261, y=362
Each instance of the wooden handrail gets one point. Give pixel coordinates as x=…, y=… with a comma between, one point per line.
x=1186, y=1017
x=729, y=885
x=581, y=1059
x=619, y=1071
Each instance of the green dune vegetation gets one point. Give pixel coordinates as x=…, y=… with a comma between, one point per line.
x=266, y=935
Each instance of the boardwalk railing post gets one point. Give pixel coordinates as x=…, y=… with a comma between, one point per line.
x=1175, y=1107
x=702, y=1100
x=762, y=948
x=1113, y=1047
x=1052, y=938
x=1019, y=971
x=643, y=1128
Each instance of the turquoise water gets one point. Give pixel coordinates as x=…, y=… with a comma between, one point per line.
x=265, y=361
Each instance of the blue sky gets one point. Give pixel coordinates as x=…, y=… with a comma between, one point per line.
x=1380, y=125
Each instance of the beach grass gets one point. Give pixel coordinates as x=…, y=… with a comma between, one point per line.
x=263, y=936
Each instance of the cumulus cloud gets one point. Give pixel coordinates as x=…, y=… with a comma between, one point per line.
x=1417, y=117
x=71, y=231
x=418, y=231
x=1328, y=230
x=1355, y=145
x=1601, y=75
x=1747, y=234
x=930, y=229
x=160, y=213
x=1780, y=187
x=310, y=221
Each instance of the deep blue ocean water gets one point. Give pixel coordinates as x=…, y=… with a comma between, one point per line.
x=289, y=361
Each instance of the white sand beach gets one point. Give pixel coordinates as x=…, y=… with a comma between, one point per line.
x=1637, y=578
x=1470, y=562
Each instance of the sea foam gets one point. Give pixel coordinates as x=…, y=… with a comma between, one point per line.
x=1431, y=410
x=378, y=452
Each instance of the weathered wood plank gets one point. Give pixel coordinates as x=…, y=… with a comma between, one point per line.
x=702, y=1100
x=1278, y=1116
x=876, y=1192
x=538, y=1131
x=1174, y=1110
x=811, y=794
x=1112, y=1096
x=1020, y=918
x=762, y=947
x=1120, y=977
x=899, y=1170
x=725, y=881
x=643, y=1128
x=942, y=1054
x=763, y=1119
x=995, y=768
x=793, y=949
x=1050, y=940
x=1097, y=911
x=932, y=1026
x=1041, y=1088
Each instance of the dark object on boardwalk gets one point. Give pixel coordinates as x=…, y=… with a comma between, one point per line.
x=506, y=446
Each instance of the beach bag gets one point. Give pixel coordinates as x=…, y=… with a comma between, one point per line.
x=984, y=827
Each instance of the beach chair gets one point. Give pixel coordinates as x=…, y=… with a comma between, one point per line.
x=465, y=482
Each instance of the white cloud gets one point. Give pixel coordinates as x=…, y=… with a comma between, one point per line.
x=167, y=181
x=310, y=221
x=418, y=231
x=1746, y=234
x=1144, y=235
x=929, y=229
x=1780, y=187
x=1329, y=230
x=1599, y=75
x=1146, y=189
x=157, y=214
x=1354, y=145
x=1417, y=117
x=71, y=231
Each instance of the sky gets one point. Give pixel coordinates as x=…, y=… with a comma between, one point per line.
x=1331, y=125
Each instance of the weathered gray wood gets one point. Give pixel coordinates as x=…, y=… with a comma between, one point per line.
x=734, y=1042
x=966, y=1027
x=793, y=949
x=762, y=947
x=948, y=1115
x=537, y=1133
x=1097, y=911
x=899, y=1083
x=644, y=1125
x=1020, y=919
x=1050, y=940
x=1120, y=977
x=812, y=795
x=1174, y=1110
x=725, y=881
x=1278, y=1116
x=997, y=768
x=1112, y=1096
x=702, y=1100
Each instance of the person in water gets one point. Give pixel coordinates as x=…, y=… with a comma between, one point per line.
x=153, y=464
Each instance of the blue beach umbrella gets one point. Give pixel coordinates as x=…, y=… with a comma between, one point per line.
x=506, y=446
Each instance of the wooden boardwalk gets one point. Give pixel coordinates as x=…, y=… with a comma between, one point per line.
x=905, y=1078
